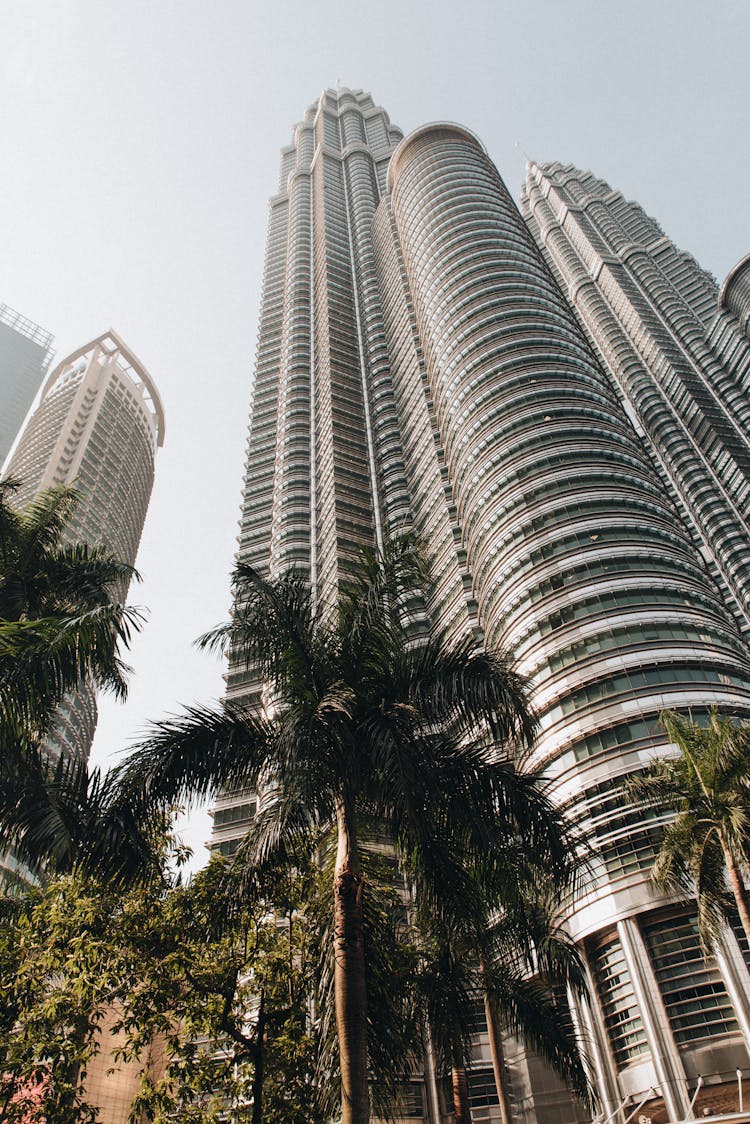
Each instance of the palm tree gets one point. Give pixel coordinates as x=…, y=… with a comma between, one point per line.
x=360, y=722
x=60, y=625
x=60, y=818
x=511, y=956
x=707, y=844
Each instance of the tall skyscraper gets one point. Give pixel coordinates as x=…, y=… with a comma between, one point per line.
x=25, y=354
x=677, y=350
x=419, y=366
x=98, y=426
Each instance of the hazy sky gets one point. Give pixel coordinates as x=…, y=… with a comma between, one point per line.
x=140, y=143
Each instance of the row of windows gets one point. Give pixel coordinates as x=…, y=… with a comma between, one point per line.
x=634, y=680
x=604, y=603
x=621, y=1016
x=239, y=813
x=694, y=997
x=632, y=635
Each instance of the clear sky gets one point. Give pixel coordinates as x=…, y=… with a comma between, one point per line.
x=140, y=143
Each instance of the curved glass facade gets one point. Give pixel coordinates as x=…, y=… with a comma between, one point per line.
x=674, y=346
x=420, y=366
x=582, y=567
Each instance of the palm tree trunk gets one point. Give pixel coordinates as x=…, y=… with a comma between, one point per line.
x=461, y=1103
x=349, y=973
x=739, y=890
x=498, y=1057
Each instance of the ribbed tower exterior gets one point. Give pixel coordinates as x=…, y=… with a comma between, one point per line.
x=97, y=426
x=25, y=354
x=419, y=366
x=677, y=349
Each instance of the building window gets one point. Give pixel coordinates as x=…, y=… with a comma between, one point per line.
x=694, y=996
x=626, y=1033
x=482, y=1088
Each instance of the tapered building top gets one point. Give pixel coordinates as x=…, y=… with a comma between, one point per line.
x=422, y=366
x=674, y=346
x=312, y=432
x=98, y=426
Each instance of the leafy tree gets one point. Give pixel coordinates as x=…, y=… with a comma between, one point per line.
x=224, y=975
x=58, y=977
x=704, y=850
x=361, y=723
x=223, y=991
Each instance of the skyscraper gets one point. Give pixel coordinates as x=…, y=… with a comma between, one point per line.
x=419, y=366
x=98, y=426
x=677, y=349
x=25, y=354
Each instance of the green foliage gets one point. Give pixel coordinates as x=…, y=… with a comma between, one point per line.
x=60, y=626
x=219, y=986
x=707, y=786
x=225, y=983
x=58, y=975
x=511, y=951
x=366, y=725
x=59, y=622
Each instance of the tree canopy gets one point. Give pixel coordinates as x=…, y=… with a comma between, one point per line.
x=359, y=723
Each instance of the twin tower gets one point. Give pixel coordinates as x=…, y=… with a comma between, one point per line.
x=556, y=400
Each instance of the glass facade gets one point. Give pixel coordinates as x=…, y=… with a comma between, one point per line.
x=626, y=1034
x=695, y=998
x=677, y=354
x=420, y=366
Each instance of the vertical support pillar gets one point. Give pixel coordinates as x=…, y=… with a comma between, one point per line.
x=736, y=978
x=589, y=1023
x=664, y=1053
x=430, y=1080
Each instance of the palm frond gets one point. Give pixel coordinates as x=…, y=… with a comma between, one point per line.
x=82, y=575
x=526, y=1008
x=46, y=516
x=712, y=893
x=42, y=660
x=465, y=685
x=671, y=870
x=374, y=599
x=196, y=754
x=273, y=628
x=59, y=817
x=284, y=831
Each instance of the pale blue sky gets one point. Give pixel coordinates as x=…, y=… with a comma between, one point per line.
x=140, y=144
